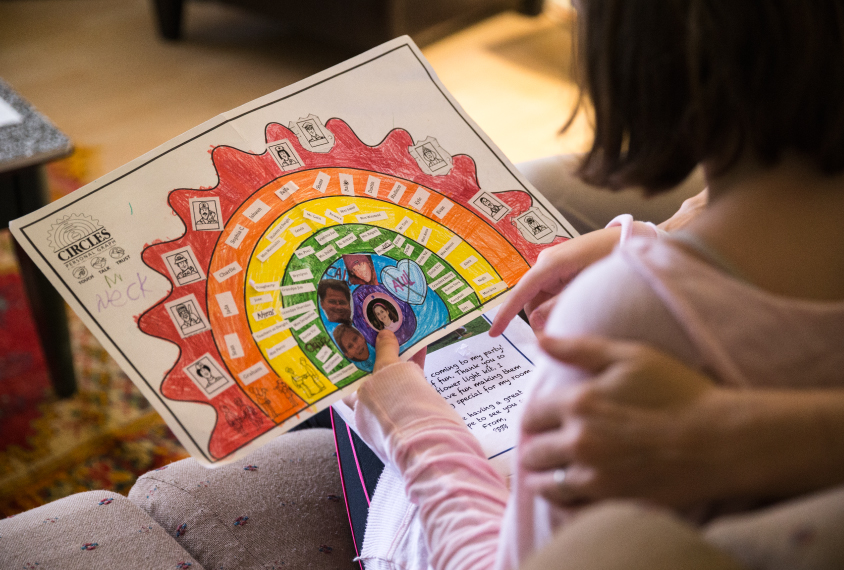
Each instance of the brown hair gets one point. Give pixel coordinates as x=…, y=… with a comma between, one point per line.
x=677, y=82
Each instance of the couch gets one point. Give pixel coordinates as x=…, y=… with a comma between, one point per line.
x=359, y=24
x=188, y=516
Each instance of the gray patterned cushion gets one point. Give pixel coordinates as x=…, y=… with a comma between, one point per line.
x=98, y=529
x=282, y=506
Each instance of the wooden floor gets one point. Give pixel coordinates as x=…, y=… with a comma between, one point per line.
x=99, y=71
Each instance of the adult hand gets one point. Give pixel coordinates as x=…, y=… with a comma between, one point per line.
x=648, y=427
x=630, y=431
x=555, y=267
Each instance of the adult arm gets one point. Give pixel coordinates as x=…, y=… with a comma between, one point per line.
x=557, y=266
x=647, y=426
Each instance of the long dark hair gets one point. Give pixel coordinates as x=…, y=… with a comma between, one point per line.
x=677, y=82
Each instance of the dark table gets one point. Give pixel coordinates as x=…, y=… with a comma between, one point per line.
x=25, y=147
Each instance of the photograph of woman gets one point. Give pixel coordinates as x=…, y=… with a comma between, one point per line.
x=383, y=315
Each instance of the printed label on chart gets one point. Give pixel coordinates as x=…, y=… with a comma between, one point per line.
x=313, y=217
x=268, y=286
x=236, y=237
x=343, y=242
x=233, y=344
x=371, y=217
x=441, y=281
x=296, y=289
x=332, y=215
x=492, y=289
x=326, y=253
x=481, y=279
x=279, y=229
x=372, y=185
x=281, y=347
x=301, y=229
x=332, y=362
x=343, y=373
x=231, y=269
x=326, y=236
x=436, y=269
x=270, y=331
x=253, y=373
x=460, y=296
x=303, y=320
x=297, y=309
x=256, y=211
x=310, y=334
x=271, y=249
x=468, y=262
x=350, y=209
x=301, y=274
x=443, y=208
x=384, y=247
x=403, y=225
x=321, y=182
x=424, y=235
x=449, y=247
x=369, y=234
x=452, y=287
x=396, y=193
x=260, y=299
x=419, y=199
x=286, y=191
x=304, y=252
x=347, y=185
x=324, y=353
x=227, y=304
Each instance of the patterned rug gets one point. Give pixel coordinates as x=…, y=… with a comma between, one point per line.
x=104, y=436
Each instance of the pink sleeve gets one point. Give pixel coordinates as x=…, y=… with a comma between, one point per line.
x=461, y=497
x=631, y=228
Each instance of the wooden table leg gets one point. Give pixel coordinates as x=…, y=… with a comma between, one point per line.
x=24, y=191
x=49, y=313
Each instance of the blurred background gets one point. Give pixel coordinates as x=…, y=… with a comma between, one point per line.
x=120, y=77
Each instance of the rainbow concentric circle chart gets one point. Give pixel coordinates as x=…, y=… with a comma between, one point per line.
x=291, y=265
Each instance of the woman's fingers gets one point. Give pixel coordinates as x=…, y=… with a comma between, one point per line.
x=547, y=450
x=525, y=290
x=543, y=414
x=565, y=486
x=386, y=350
x=589, y=353
x=538, y=310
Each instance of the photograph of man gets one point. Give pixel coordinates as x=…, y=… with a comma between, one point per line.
x=335, y=300
x=351, y=343
x=361, y=269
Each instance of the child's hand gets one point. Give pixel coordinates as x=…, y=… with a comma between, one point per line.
x=386, y=354
x=556, y=266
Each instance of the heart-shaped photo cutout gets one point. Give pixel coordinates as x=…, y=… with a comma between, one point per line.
x=405, y=281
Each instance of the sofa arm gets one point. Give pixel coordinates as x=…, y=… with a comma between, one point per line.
x=280, y=506
x=97, y=529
